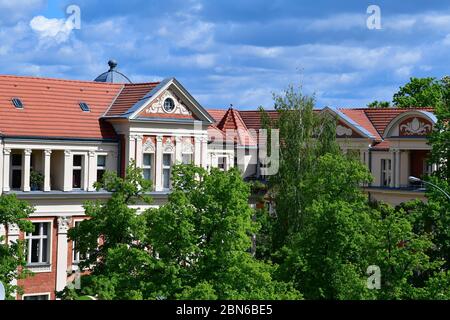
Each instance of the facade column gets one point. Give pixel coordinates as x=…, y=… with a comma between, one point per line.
x=197, y=151
x=139, y=154
x=397, y=168
x=392, y=184
x=26, y=170
x=61, y=263
x=158, y=163
x=204, y=155
x=178, y=150
x=6, y=169
x=68, y=170
x=130, y=150
x=47, y=157
x=13, y=237
x=92, y=176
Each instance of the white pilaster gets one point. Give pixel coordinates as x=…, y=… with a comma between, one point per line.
x=61, y=261
x=68, y=168
x=397, y=168
x=26, y=170
x=392, y=185
x=197, y=151
x=47, y=158
x=204, y=154
x=131, y=149
x=158, y=164
x=178, y=150
x=92, y=172
x=6, y=169
x=13, y=237
x=139, y=154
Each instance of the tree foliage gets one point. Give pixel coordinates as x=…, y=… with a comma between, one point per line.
x=194, y=247
x=420, y=92
x=12, y=257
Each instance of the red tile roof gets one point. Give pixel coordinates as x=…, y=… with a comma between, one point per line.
x=51, y=108
x=360, y=117
x=252, y=119
x=129, y=96
x=217, y=114
x=232, y=121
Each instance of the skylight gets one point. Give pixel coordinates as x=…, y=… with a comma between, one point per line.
x=84, y=106
x=17, y=103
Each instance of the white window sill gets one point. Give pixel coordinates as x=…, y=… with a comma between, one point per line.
x=40, y=268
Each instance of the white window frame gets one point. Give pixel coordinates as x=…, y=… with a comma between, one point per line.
x=150, y=167
x=13, y=167
x=225, y=163
x=36, y=295
x=103, y=168
x=165, y=167
x=386, y=172
x=81, y=168
x=76, y=255
x=190, y=154
x=40, y=267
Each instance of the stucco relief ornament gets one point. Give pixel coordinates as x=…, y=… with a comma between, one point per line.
x=149, y=146
x=168, y=147
x=343, y=131
x=63, y=224
x=415, y=126
x=158, y=105
x=187, y=147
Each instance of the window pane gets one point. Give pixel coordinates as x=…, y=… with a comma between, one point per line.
x=37, y=229
x=101, y=161
x=100, y=174
x=147, y=174
x=77, y=160
x=32, y=298
x=166, y=178
x=167, y=159
x=16, y=181
x=187, y=158
x=45, y=227
x=148, y=159
x=45, y=251
x=16, y=160
x=34, y=250
x=76, y=179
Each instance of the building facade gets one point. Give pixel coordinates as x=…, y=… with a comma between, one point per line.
x=58, y=137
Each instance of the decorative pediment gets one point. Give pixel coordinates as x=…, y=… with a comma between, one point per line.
x=343, y=131
x=415, y=127
x=187, y=147
x=149, y=146
x=168, y=146
x=157, y=107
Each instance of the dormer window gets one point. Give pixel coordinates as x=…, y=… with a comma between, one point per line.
x=17, y=103
x=84, y=106
x=169, y=105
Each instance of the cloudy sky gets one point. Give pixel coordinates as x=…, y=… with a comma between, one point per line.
x=233, y=52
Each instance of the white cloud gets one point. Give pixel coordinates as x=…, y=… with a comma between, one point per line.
x=53, y=30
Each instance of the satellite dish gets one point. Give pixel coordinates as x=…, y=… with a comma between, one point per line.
x=2, y=292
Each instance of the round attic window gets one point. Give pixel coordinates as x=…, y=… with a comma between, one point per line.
x=169, y=105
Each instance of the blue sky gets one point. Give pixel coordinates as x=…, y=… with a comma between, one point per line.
x=234, y=52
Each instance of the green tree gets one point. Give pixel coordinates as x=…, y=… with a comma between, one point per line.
x=379, y=104
x=12, y=257
x=419, y=92
x=305, y=135
x=194, y=247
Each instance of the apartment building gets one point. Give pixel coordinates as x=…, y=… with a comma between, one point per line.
x=58, y=137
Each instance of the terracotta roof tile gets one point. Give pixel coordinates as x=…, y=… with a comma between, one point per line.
x=233, y=121
x=360, y=117
x=129, y=96
x=51, y=108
